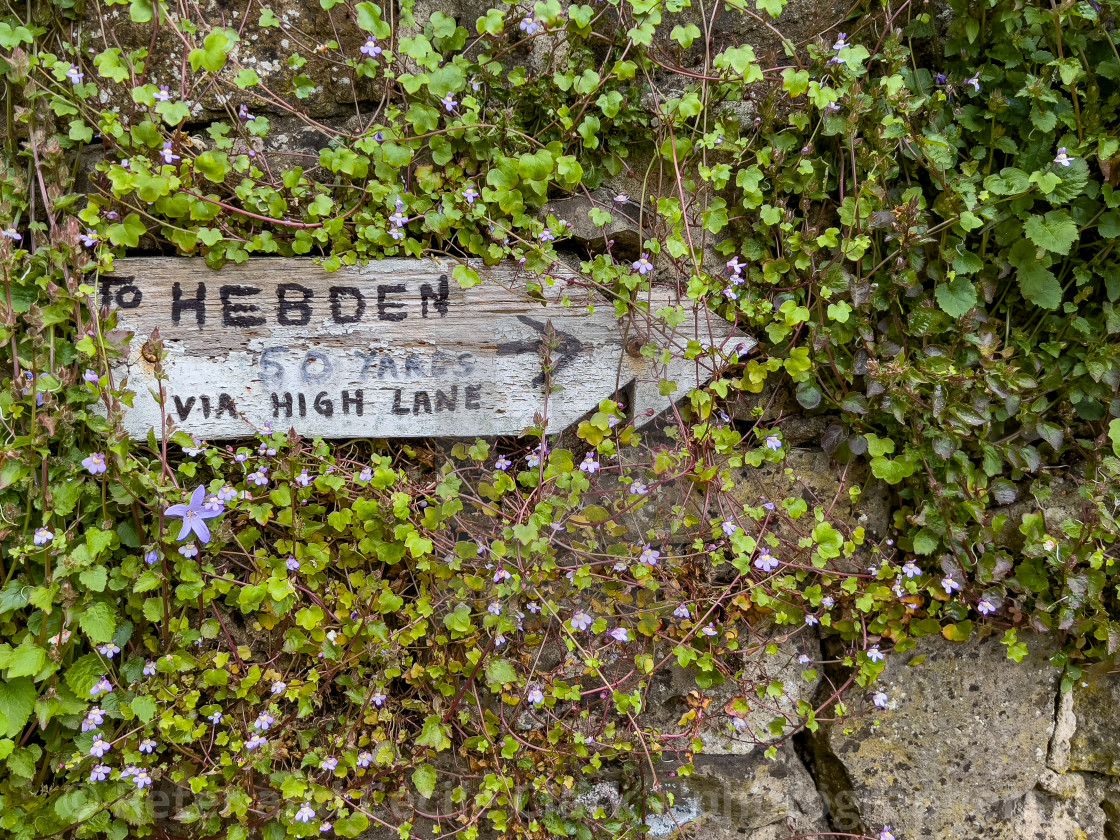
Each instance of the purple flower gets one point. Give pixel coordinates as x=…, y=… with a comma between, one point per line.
x=102, y=686
x=974, y=81
x=99, y=773
x=910, y=570
x=939, y=79
x=885, y=833
x=546, y=235
x=95, y=463
x=243, y=113
x=164, y=94
x=880, y=699
x=365, y=475
x=533, y=607
x=167, y=155
x=642, y=265
x=581, y=620
x=729, y=528
x=841, y=42
x=42, y=536
x=241, y=457
x=501, y=575
x=773, y=443
x=147, y=746
x=874, y=654
x=194, y=516
x=828, y=602
x=621, y=198
x=150, y=668
x=985, y=607
x=812, y=620
x=305, y=814
x=682, y=612
x=529, y=26
x=75, y=75
x=735, y=267
x=108, y=650
x=503, y=463
x=1063, y=159
x=89, y=239
x=12, y=234
x=227, y=493
x=99, y=747
x=470, y=194
x=215, y=718
x=949, y=584
x=620, y=634
x=535, y=696
x=328, y=763
x=649, y=556
x=278, y=687
x=258, y=478
x=803, y=659
x=91, y=377
x=152, y=557
x=495, y=608
x=303, y=479
x=94, y=718
x=766, y=562
x=292, y=563
x=589, y=464
x=256, y=741
x=709, y=630
x=370, y=47
x=378, y=699
x=398, y=219
x=365, y=759
x=189, y=550
x=449, y=102
x=143, y=780
x=263, y=721
x=638, y=489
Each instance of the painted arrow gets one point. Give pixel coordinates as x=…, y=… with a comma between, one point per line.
x=391, y=349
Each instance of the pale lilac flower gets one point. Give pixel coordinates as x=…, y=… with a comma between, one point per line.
x=581, y=620
x=258, y=478
x=621, y=198
x=533, y=458
x=499, y=640
x=151, y=557
x=501, y=575
x=533, y=607
x=710, y=630
x=529, y=26
x=108, y=650
x=589, y=464
x=949, y=584
x=773, y=443
x=910, y=569
x=682, y=612
x=470, y=194
x=940, y=79
x=328, y=763
x=89, y=238
x=985, y=607
x=620, y=634
x=812, y=620
x=42, y=536
x=215, y=718
x=150, y=668
x=324, y=827
x=495, y=608
x=768, y=505
x=194, y=515
x=91, y=377
x=449, y=102
x=12, y=234
x=164, y=94
x=75, y=75
x=214, y=504
x=167, y=155
x=535, y=696
x=378, y=699
x=365, y=475
x=305, y=814
x=256, y=741
x=303, y=479
x=1063, y=159
x=99, y=773
x=102, y=686
x=638, y=489
x=143, y=780
x=729, y=293
x=365, y=759
x=94, y=718
x=370, y=47
x=735, y=267
x=130, y=771
x=885, y=833
x=642, y=265
x=99, y=747
x=546, y=235
x=227, y=493
x=292, y=564
x=880, y=699
x=729, y=528
x=95, y=463
x=766, y=562
x=828, y=602
x=278, y=687
x=147, y=746
x=503, y=463
x=974, y=81
x=242, y=457
x=189, y=550
x=263, y=721
x=841, y=42
x=649, y=556
x=803, y=659
x=874, y=654
x=398, y=219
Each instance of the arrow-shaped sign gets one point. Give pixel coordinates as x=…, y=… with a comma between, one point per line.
x=391, y=349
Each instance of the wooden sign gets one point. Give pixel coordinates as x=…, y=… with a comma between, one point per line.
x=391, y=349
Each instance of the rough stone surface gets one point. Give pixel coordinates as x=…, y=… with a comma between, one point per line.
x=744, y=798
x=1094, y=746
x=965, y=743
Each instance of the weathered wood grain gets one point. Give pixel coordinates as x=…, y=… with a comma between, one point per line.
x=391, y=349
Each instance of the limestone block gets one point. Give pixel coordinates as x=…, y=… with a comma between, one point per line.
x=1095, y=743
